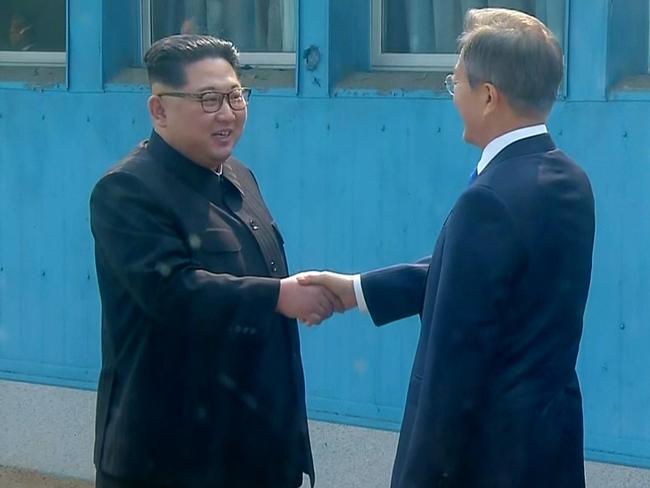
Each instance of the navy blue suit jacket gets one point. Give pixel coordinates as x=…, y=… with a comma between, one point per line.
x=494, y=399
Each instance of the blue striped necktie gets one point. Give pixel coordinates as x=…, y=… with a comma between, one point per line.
x=472, y=177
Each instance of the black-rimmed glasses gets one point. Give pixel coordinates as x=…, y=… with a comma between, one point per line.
x=212, y=101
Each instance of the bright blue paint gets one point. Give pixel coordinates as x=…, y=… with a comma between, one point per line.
x=84, y=45
x=636, y=452
x=357, y=180
x=313, y=29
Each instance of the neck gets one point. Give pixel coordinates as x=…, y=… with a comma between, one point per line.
x=499, y=129
x=210, y=165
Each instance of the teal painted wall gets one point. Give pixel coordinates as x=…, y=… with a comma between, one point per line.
x=356, y=179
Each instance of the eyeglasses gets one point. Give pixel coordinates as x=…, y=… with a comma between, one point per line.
x=212, y=101
x=450, y=84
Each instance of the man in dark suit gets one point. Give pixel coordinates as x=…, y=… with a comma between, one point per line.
x=201, y=382
x=494, y=399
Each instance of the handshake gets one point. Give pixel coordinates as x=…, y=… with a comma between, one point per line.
x=314, y=296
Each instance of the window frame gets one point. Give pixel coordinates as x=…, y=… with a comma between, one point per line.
x=381, y=61
x=277, y=60
x=33, y=58
x=402, y=61
x=48, y=59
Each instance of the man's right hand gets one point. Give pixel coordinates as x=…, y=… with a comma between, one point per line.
x=341, y=285
x=309, y=304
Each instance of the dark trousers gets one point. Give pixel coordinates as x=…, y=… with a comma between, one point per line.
x=103, y=480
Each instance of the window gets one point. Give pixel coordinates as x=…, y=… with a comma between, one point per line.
x=628, y=46
x=32, y=33
x=262, y=30
x=422, y=34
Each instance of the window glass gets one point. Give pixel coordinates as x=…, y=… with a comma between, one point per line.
x=433, y=26
x=32, y=26
x=254, y=26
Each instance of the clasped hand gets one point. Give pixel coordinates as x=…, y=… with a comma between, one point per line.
x=314, y=296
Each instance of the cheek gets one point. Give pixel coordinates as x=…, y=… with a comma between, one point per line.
x=241, y=119
x=198, y=127
x=460, y=107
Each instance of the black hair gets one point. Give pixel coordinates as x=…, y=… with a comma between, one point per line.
x=166, y=58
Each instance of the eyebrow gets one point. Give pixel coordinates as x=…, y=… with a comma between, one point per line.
x=213, y=88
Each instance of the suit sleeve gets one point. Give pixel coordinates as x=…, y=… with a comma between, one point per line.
x=395, y=292
x=482, y=257
x=137, y=243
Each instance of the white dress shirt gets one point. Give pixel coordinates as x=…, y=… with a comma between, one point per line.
x=497, y=145
x=494, y=147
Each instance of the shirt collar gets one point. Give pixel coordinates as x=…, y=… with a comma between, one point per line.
x=497, y=145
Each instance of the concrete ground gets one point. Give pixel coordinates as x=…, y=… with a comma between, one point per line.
x=350, y=457
x=353, y=457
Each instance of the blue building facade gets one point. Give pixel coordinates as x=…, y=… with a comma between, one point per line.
x=359, y=166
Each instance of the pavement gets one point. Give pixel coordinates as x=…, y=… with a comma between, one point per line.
x=348, y=457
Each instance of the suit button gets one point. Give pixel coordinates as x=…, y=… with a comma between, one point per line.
x=274, y=267
x=254, y=225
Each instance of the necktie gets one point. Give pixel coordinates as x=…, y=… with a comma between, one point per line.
x=472, y=177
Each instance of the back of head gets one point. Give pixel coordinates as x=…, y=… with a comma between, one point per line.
x=166, y=58
x=516, y=53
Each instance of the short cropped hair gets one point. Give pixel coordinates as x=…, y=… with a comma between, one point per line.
x=516, y=53
x=166, y=58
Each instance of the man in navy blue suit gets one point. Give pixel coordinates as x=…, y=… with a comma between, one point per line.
x=494, y=399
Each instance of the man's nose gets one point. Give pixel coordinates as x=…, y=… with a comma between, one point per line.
x=225, y=112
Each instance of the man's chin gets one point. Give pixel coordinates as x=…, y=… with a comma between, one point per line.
x=222, y=156
x=468, y=139
x=222, y=152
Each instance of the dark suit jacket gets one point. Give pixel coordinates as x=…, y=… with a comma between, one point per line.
x=494, y=400
x=201, y=382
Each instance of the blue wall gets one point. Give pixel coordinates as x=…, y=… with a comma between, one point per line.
x=356, y=179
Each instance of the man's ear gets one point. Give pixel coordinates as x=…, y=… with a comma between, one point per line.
x=492, y=98
x=157, y=111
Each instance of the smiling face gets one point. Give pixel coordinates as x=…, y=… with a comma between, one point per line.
x=207, y=139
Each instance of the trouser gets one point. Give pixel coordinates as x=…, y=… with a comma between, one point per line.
x=103, y=480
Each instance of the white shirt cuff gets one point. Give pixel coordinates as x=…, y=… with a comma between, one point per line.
x=358, y=294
